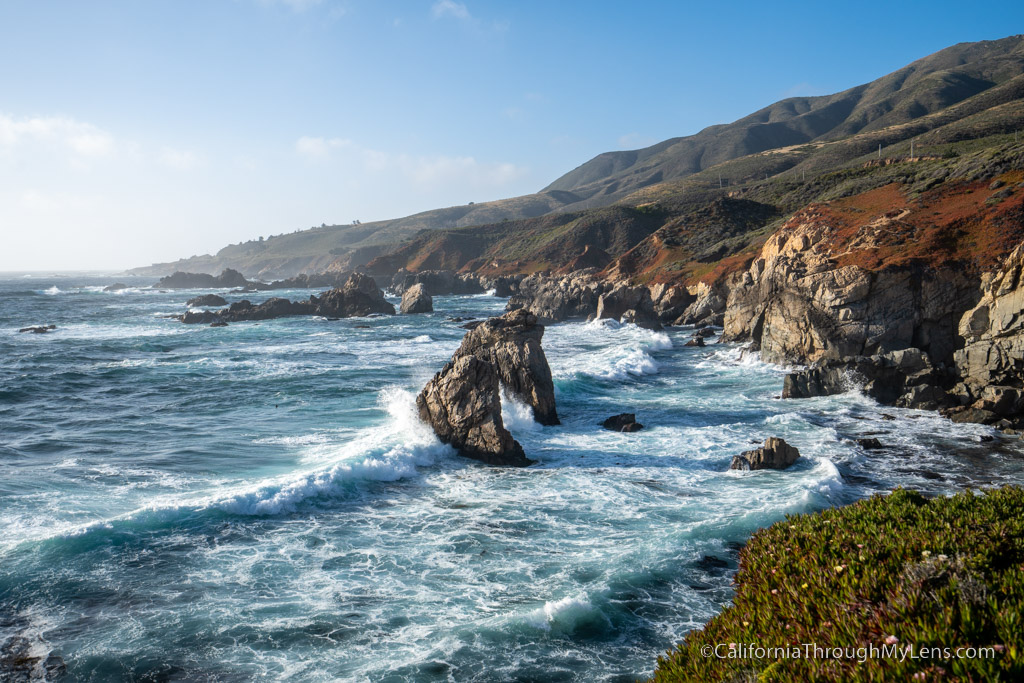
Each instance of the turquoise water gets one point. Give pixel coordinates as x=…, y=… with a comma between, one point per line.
x=259, y=502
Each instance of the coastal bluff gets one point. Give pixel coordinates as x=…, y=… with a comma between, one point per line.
x=462, y=403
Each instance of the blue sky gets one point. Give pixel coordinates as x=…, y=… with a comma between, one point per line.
x=133, y=132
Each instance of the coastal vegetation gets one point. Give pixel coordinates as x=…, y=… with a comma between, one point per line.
x=880, y=579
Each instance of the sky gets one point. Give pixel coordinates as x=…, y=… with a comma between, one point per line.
x=134, y=132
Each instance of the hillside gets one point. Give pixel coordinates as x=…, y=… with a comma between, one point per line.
x=943, y=102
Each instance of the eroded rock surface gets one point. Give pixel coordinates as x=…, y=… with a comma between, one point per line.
x=462, y=403
x=417, y=300
x=554, y=299
x=776, y=454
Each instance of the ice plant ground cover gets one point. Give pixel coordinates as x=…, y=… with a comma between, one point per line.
x=898, y=570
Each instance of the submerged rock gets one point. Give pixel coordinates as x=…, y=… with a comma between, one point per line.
x=416, y=300
x=207, y=300
x=869, y=443
x=116, y=287
x=776, y=454
x=462, y=403
x=696, y=341
x=623, y=422
x=38, y=329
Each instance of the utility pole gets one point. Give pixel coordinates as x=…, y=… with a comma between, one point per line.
x=879, y=150
x=804, y=174
x=719, y=181
x=911, y=149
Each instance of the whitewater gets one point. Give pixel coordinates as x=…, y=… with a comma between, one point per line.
x=260, y=502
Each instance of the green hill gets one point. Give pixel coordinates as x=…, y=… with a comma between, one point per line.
x=941, y=103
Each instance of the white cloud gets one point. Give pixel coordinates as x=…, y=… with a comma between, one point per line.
x=179, y=159
x=452, y=8
x=319, y=148
x=82, y=139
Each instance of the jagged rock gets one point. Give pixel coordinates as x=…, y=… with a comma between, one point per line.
x=463, y=405
x=870, y=443
x=696, y=341
x=219, y=323
x=116, y=287
x=207, y=300
x=504, y=286
x=38, y=329
x=554, y=299
x=180, y=280
x=776, y=454
x=628, y=304
x=705, y=332
x=964, y=414
x=359, y=296
x=670, y=301
x=796, y=303
x=462, y=402
x=707, y=307
x=416, y=300
x=993, y=333
x=903, y=378
x=624, y=422
x=437, y=282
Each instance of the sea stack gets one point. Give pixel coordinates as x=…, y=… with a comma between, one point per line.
x=416, y=299
x=462, y=403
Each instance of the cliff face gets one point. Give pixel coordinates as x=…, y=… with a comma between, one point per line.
x=993, y=330
x=873, y=273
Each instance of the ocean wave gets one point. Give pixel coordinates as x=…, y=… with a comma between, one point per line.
x=567, y=616
x=517, y=416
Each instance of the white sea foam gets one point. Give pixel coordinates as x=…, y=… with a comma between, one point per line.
x=389, y=452
x=491, y=292
x=566, y=615
x=517, y=416
x=52, y=291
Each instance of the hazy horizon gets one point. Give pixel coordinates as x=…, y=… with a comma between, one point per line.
x=132, y=134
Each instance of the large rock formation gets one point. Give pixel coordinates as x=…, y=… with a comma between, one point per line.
x=417, y=300
x=180, y=280
x=776, y=454
x=437, y=282
x=554, y=299
x=462, y=403
x=629, y=304
x=358, y=297
x=796, y=303
x=904, y=378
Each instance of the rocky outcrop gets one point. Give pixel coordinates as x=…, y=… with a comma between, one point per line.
x=993, y=332
x=628, y=304
x=416, y=300
x=437, y=282
x=554, y=299
x=207, y=300
x=116, y=287
x=776, y=454
x=797, y=303
x=706, y=307
x=180, y=280
x=358, y=297
x=462, y=403
x=903, y=378
x=623, y=422
x=671, y=301
x=38, y=329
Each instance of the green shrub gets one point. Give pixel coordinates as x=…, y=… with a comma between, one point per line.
x=898, y=571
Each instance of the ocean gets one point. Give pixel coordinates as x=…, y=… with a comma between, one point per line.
x=260, y=501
